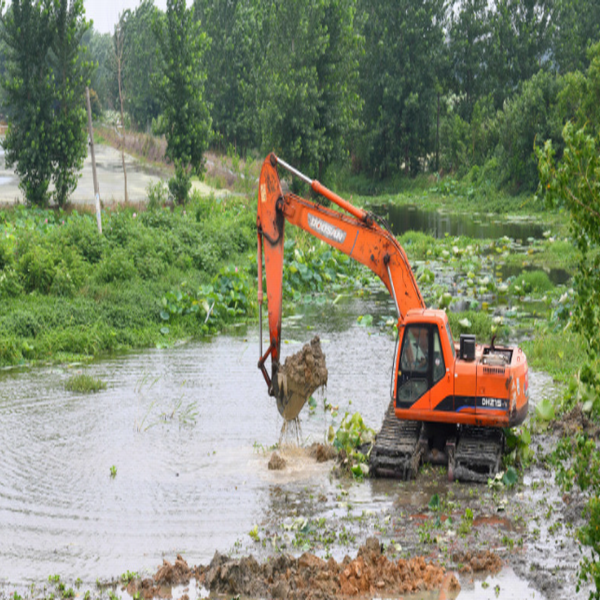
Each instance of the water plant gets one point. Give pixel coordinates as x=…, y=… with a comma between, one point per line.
x=83, y=383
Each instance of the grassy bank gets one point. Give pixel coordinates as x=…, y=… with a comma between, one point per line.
x=69, y=293
x=164, y=275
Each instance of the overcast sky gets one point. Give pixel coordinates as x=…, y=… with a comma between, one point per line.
x=105, y=13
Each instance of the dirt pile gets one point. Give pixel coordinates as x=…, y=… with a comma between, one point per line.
x=478, y=562
x=276, y=462
x=301, y=374
x=307, y=577
x=322, y=452
x=575, y=421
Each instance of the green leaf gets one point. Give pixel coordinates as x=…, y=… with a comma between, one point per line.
x=434, y=502
x=510, y=477
x=545, y=409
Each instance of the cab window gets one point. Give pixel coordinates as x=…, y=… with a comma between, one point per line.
x=439, y=368
x=415, y=349
x=450, y=339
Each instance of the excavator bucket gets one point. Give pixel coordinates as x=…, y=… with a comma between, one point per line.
x=301, y=375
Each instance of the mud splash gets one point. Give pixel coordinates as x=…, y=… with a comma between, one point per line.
x=307, y=577
x=301, y=375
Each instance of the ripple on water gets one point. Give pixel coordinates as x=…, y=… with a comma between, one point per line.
x=180, y=487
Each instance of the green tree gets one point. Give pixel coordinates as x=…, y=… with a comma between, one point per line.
x=140, y=64
x=468, y=39
x=70, y=75
x=186, y=120
x=308, y=99
x=573, y=183
x=579, y=99
x=577, y=27
x=519, y=45
x=100, y=52
x=466, y=144
x=28, y=87
x=230, y=62
x=530, y=117
x=400, y=74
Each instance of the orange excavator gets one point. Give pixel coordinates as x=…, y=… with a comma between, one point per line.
x=450, y=401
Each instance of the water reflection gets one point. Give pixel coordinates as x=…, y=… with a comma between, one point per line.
x=405, y=218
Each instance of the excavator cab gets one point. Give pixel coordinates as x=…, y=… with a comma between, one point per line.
x=422, y=363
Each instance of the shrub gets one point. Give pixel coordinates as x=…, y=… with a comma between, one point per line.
x=10, y=285
x=158, y=195
x=531, y=282
x=36, y=268
x=6, y=255
x=116, y=266
x=81, y=232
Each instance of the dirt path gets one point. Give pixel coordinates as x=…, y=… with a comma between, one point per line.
x=110, y=178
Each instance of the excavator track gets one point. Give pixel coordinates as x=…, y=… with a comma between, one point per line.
x=396, y=452
x=474, y=454
x=478, y=454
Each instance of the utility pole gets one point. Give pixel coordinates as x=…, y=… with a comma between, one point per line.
x=118, y=49
x=93, y=154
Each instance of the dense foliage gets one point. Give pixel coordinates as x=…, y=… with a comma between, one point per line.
x=67, y=291
x=411, y=87
x=571, y=179
x=185, y=120
x=44, y=85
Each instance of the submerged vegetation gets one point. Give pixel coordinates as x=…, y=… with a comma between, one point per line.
x=84, y=383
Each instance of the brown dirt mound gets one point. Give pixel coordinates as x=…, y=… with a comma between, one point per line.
x=309, y=577
x=303, y=373
x=322, y=452
x=276, y=463
x=574, y=422
x=477, y=562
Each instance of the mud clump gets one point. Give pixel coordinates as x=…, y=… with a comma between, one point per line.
x=575, y=421
x=322, y=452
x=167, y=576
x=478, y=562
x=312, y=578
x=276, y=463
x=301, y=374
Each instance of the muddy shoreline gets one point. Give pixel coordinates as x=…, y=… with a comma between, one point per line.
x=475, y=532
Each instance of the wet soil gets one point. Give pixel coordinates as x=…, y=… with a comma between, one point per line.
x=307, y=577
x=575, y=421
x=276, y=463
x=302, y=374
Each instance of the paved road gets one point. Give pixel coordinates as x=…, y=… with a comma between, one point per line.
x=110, y=178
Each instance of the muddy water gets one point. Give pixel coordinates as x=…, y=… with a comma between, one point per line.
x=179, y=487
x=186, y=429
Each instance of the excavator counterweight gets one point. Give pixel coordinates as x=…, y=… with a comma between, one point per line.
x=449, y=401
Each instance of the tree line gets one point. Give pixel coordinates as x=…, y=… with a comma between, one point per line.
x=386, y=85
x=379, y=86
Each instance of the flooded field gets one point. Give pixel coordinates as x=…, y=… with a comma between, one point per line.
x=172, y=458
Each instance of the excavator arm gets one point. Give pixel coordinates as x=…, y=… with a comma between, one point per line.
x=355, y=233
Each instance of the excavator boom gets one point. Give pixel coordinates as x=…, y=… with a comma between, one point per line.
x=356, y=234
